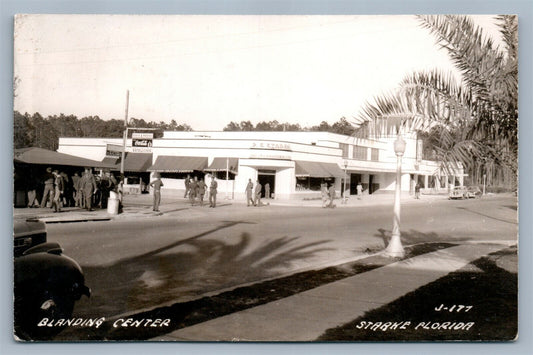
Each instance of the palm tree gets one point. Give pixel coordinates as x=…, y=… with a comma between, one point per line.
x=473, y=122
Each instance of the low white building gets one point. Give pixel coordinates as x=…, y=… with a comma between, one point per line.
x=294, y=164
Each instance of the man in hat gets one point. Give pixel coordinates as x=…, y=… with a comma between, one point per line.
x=213, y=192
x=257, y=193
x=48, y=193
x=88, y=186
x=156, y=185
x=76, y=189
x=249, y=192
x=59, y=188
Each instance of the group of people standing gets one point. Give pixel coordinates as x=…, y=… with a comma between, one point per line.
x=197, y=188
x=83, y=191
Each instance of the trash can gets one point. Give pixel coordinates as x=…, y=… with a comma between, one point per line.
x=112, y=203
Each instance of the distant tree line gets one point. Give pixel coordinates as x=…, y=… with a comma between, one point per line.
x=340, y=127
x=38, y=131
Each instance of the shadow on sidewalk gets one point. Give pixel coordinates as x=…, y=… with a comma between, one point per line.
x=490, y=313
x=412, y=237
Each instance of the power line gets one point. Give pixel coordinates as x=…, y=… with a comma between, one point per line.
x=281, y=44
x=182, y=40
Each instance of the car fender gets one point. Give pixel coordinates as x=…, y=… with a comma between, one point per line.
x=49, y=271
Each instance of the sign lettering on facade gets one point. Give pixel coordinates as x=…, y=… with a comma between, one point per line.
x=142, y=142
x=271, y=146
x=270, y=156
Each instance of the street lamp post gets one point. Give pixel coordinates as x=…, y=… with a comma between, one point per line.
x=395, y=248
x=124, y=137
x=345, y=199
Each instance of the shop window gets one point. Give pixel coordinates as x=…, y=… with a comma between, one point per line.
x=374, y=154
x=311, y=183
x=360, y=153
x=345, y=149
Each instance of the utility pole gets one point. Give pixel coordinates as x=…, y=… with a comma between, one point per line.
x=125, y=137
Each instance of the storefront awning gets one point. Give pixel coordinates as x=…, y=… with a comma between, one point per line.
x=42, y=156
x=110, y=160
x=136, y=162
x=333, y=169
x=317, y=169
x=309, y=168
x=174, y=164
x=221, y=164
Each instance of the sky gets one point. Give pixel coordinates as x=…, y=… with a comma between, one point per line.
x=206, y=71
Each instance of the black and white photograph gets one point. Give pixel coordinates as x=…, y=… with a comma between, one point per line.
x=265, y=178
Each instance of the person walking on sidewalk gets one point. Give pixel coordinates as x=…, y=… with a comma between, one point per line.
x=59, y=188
x=325, y=196
x=331, y=193
x=213, y=193
x=156, y=184
x=417, y=191
x=193, y=189
x=257, y=193
x=267, y=190
x=249, y=192
x=48, y=193
x=187, y=185
x=359, y=191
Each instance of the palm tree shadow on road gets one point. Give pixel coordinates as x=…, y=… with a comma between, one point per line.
x=171, y=274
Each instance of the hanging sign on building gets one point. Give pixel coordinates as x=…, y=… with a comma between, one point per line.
x=113, y=150
x=142, y=142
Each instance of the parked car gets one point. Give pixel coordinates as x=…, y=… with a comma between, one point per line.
x=47, y=283
x=459, y=192
x=473, y=192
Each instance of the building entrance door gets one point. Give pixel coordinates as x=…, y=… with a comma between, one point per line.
x=266, y=177
x=354, y=180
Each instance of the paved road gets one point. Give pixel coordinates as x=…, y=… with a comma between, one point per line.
x=187, y=252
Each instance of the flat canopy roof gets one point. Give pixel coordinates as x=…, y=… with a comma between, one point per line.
x=134, y=162
x=42, y=156
x=317, y=169
x=223, y=164
x=174, y=164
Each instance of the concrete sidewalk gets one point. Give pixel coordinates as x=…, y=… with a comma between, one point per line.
x=307, y=315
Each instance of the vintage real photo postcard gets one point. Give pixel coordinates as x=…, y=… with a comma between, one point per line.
x=265, y=178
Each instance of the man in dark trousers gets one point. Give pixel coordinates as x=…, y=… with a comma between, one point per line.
x=156, y=185
x=48, y=193
x=213, y=193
